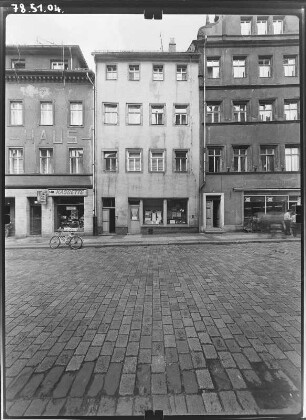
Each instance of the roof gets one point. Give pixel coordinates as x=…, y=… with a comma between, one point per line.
x=146, y=56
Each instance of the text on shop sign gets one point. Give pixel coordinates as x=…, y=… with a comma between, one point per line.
x=67, y=192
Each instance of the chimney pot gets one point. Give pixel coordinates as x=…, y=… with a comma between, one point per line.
x=172, y=45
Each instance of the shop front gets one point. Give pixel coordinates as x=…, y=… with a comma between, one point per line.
x=9, y=216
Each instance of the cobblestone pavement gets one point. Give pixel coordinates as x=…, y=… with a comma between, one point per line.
x=185, y=329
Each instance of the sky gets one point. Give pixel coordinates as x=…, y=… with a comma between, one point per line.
x=95, y=32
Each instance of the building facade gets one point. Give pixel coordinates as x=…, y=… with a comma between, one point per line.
x=250, y=131
x=147, y=142
x=49, y=139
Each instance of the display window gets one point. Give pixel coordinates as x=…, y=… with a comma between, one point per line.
x=153, y=212
x=69, y=213
x=177, y=211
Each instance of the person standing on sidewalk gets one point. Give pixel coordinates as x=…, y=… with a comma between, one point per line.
x=287, y=222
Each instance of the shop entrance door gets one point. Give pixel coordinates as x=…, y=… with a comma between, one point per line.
x=35, y=219
x=108, y=220
x=134, y=227
x=214, y=212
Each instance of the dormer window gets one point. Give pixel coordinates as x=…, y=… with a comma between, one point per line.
x=18, y=63
x=59, y=65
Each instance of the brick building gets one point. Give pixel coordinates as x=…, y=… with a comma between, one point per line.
x=250, y=139
x=49, y=137
x=147, y=141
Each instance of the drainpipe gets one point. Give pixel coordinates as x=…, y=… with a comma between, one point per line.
x=204, y=129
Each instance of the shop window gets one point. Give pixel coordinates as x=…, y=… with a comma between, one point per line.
x=111, y=72
x=69, y=213
x=158, y=72
x=240, y=159
x=157, y=161
x=240, y=111
x=157, y=114
x=181, y=72
x=134, y=72
x=153, y=212
x=291, y=110
x=213, y=68
x=134, y=114
x=46, y=113
x=76, y=161
x=181, y=114
x=110, y=113
x=16, y=161
x=246, y=26
x=267, y=156
x=46, y=161
x=265, y=66
x=213, y=112
x=110, y=161
x=239, y=67
x=76, y=113
x=177, y=211
x=16, y=113
x=292, y=158
x=214, y=159
x=289, y=64
x=59, y=65
x=134, y=158
x=181, y=160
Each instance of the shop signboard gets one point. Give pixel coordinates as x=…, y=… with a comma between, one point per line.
x=42, y=196
x=67, y=192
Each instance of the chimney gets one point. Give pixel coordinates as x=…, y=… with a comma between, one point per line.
x=172, y=45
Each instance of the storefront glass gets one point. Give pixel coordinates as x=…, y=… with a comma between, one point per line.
x=69, y=213
x=177, y=211
x=153, y=212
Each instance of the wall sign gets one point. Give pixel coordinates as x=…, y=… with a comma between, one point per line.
x=68, y=191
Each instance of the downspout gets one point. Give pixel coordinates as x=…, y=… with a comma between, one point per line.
x=204, y=130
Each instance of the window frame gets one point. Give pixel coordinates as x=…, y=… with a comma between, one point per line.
x=291, y=156
x=110, y=104
x=134, y=72
x=240, y=111
x=290, y=66
x=81, y=112
x=63, y=62
x=266, y=102
x=161, y=106
x=158, y=159
x=11, y=160
x=266, y=155
x=52, y=113
x=262, y=19
x=134, y=150
x=290, y=102
x=107, y=73
x=111, y=160
x=240, y=156
x=217, y=164
x=78, y=159
x=49, y=160
x=18, y=60
x=246, y=20
x=180, y=159
x=278, y=19
x=128, y=105
x=154, y=73
x=239, y=67
x=264, y=66
x=16, y=101
x=182, y=76
x=186, y=114
x=212, y=60
x=213, y=113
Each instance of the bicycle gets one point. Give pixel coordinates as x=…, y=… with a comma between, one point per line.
x=73, y=240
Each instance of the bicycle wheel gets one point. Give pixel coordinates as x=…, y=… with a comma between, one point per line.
x=54, y=242
x=76, y=242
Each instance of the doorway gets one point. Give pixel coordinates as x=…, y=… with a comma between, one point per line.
x=134, y=220
x=108, y=215
x=35, y=217
x=213, y=211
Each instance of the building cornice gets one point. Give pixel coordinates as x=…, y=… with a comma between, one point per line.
x=287, y=40
x=73, y=76
x=146, y=56
x=235, y=87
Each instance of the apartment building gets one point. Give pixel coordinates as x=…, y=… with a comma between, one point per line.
x=49, y=138
x=147, y=141
x=250, y=139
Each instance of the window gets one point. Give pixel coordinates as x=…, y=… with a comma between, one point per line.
x=110, y=161
x=240, y=159
x=76, y=161
x=181, y=114
x=18, y=63
x=177, y=211
x=181, y=72
x=246, y=26
x=153, y=211
x=267, y=155
x=291, y=110
x=134, y=72
x=46, y=113
x=158, y=72
x=265, y=111
x=240, y=111
x=262, y=26
x=239, y=67
x=46, y=161
x=157, y=161
x=292, y=156
x=76, y=113
x=213, y=112
x=180, y=160
x=213, y=68
x=214, y=159
x=157, y=114
x=59, y=65
x=278, y=26
x=134, y=160
x=16, y=113
x=289, y=66
x=111, y=114
x=134, y=113
x=111, y=72
x=265, y=66
x=16, y=161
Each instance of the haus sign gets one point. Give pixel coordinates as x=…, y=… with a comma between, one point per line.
x=67, y=191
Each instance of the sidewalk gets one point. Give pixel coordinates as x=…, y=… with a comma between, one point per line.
x=147, y=240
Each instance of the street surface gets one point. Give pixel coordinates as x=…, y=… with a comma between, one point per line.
x=187, y=329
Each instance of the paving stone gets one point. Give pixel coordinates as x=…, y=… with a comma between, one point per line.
x=130, y=364
x=31, y=386
x=64, y=357
x=218, y=374
x=158, y=364
x=198, y=360
x=75, y=363
x=132, y=349
x=185, y=361
x=46, y=364
x=251, y=378
x=173, y=378
x=141, y=405
x=195, y=404
x=229, y=402
x=247, y=402
x=81, y=380
x=97, y=382
x=143, y=380
x=54, y=407
x=161, y=402
x=159, y=383
x=189, y=382
x=204, y=379
x=127, y=384
x=18, y=382
x=236, y=378
x=169, y=341
x=118, y=354
x=112, y=378
x=92, y=354
x=145, y=356
x=62, y=388
x=124, y=406
x=36, y=407
x=50, y=381
x=19, y=407
x=241, y=361
x=212, y=403
x=210, y=351
x=102, y=364
x=182, y=346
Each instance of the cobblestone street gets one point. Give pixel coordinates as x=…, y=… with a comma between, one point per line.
x=186, y=329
